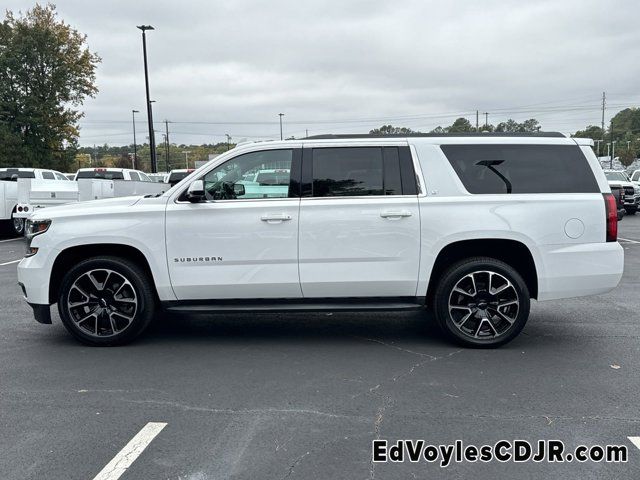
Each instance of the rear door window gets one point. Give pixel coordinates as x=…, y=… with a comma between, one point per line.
x=359, y=171
x=134, y=176
x=490, y=169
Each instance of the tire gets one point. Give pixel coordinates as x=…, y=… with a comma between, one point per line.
x=631, y=210
x=479, y=320
x=106, y=301
x=17, y=225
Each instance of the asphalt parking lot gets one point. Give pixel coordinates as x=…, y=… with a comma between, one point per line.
x=302, y=396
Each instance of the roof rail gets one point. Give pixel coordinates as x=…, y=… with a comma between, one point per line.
x=448, y=135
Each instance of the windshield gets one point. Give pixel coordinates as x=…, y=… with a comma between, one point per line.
x=616, y=176
x=101, y=174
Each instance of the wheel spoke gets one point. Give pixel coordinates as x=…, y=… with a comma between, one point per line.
x=473, y=281
x=465, y=319
x=490, y=323
x=477, y=332
x=113, y=323
x=459, y=290
x=506, y=304
x=96, y=285
x=504, y=317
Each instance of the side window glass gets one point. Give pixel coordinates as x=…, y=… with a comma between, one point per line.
x=134, y=176
x=392, y=178
x=636, y=176
x=264, y=174
x=347, y=171
x=48, y=176
x=59, y=176
x=144, y=177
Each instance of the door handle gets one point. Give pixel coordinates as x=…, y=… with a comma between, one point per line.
x=395, y=214
x=275, y=217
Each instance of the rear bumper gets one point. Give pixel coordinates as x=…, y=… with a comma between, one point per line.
x=579, y=270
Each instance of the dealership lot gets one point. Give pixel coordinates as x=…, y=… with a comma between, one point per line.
x=303, y=395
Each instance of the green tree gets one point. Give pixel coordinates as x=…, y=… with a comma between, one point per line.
x=531, y=125
x=46, y=72
x=391, y=130
x=461, y=125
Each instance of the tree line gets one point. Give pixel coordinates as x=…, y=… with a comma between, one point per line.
x=624, y=130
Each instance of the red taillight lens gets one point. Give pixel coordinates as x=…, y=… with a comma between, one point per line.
x=611, y=209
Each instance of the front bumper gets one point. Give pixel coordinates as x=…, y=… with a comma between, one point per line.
x=42, y=313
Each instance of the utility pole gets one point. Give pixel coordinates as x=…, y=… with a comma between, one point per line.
x=281, y=115
x=135, y=146
x=604, y=99
x=477, y=127
x=152, y=139
x=186, y=159
x=613, y=145
x=486, y=119
x=228, y=141
x=166, y=126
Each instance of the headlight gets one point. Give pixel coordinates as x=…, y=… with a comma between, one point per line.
x=32, y=229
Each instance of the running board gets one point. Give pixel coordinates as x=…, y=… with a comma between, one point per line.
x=295, y=305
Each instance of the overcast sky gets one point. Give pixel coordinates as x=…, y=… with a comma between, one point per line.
x=345, y=66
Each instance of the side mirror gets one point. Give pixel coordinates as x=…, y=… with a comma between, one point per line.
x=238, y=189
x=195, y=193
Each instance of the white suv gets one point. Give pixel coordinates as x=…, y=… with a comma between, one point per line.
x=471, y=227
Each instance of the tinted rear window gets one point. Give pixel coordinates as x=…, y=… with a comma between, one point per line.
x=521, y=168
x=273, y=178
x=8, y=174
x=176, y=177
x=100, y=174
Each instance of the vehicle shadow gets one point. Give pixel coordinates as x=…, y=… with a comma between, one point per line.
x=295, y=327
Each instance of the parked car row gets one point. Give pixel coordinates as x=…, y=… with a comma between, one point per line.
x=630, y=197
x=26, y=190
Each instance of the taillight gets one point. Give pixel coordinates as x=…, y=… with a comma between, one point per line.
x=611, y=209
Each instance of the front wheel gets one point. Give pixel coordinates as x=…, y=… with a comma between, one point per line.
x=482, y=302
x=106, y=301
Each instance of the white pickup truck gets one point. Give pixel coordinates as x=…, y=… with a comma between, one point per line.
x=470, y=227
x=13, y=182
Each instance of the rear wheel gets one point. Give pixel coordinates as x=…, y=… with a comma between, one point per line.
x=106, y=301
x=17, y=225
x=482, y=302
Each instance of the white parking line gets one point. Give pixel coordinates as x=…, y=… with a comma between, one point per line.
x=9, y=263
x=627, y=240
x=132, y=450
x=12, y=240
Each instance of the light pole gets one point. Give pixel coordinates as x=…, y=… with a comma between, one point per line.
x=135, y=146
x=598, y=142
x=228, y=140
x=281, y=115
x=152, y=139
x=186, y=159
